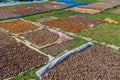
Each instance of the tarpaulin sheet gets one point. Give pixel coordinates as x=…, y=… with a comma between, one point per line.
x=73, y=3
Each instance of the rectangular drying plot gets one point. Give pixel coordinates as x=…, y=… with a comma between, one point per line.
x=65, y=25
x=16, y=58
x=85, y=20
x=92, y=63
x=40, y=38
x=56, y=49
x=17, y=26
x=96, y=7
x=29, y=9
x=54, y=5
x=85, y=10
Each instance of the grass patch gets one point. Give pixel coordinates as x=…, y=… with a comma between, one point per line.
x=28, y=75
x=108, y=33
x=57, y=13
x=77, y=42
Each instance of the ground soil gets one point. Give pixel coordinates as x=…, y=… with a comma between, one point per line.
x=94, y=63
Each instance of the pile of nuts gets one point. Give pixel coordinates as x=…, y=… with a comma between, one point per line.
x=17, y=26
x=93, y=63
x=41, y=37
x=65, y=25
x=16, y=57
x=5, y=38
x=85, y=20
x=16, y=11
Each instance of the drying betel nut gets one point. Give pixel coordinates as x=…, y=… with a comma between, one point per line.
x=92, y=63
